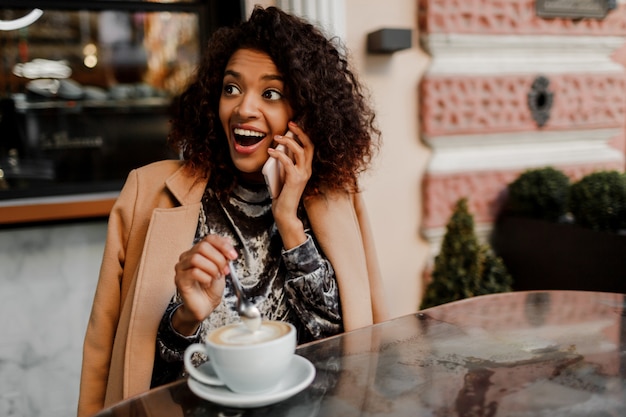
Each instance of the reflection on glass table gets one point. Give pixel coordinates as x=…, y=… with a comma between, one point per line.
x=552, y=353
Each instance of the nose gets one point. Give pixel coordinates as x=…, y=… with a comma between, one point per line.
x=248, y=107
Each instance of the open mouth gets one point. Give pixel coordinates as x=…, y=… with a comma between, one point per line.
x=245, y=137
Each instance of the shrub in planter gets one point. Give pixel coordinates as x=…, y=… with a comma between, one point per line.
x=598, y=201
x=464, y=267
x=540, y=193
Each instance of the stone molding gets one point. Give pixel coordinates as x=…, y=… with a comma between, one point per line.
x=458, y=154
x=512, y=54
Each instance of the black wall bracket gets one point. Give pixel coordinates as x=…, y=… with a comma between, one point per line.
x=388, y=40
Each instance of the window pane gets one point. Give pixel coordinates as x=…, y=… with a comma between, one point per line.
x=86, y=96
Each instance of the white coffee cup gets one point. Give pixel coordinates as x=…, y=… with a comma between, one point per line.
x=246, y=362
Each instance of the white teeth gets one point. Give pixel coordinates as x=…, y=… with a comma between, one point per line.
x=246, y=132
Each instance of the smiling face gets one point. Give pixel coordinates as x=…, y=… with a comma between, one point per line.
x=253, y=109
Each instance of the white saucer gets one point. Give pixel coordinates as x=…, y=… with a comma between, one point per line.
x=300, y=374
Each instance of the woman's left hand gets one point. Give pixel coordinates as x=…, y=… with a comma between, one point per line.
x=297, y=171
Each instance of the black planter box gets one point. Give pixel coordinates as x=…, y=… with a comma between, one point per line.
x=548, y=256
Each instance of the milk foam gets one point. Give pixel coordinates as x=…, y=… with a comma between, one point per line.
x=241, y=335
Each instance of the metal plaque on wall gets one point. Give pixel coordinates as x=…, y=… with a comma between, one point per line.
x=574, y=9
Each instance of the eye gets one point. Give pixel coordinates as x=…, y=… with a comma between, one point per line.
x=272, y=95
x=231, y=90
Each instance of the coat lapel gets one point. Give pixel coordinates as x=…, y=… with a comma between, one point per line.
x=170, y=233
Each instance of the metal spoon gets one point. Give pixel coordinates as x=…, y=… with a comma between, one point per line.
x=250, y=315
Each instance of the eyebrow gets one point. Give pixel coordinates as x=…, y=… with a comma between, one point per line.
x=266, y=77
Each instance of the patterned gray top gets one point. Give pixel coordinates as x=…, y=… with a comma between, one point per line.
x=297, y=285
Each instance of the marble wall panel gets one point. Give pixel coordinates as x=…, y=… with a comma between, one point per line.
x=48, y=276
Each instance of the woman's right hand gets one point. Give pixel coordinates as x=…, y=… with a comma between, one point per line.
x=200, y=281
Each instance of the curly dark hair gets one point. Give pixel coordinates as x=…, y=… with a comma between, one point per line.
x=328, y=102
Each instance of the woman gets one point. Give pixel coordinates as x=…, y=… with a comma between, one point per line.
x=306, y=256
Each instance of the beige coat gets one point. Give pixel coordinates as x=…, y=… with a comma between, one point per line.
x=153, y=221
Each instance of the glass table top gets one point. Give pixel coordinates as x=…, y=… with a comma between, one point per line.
x=540, y=353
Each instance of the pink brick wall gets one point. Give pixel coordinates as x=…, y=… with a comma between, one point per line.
x=509, y=17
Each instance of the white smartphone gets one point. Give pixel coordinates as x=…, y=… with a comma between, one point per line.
x=272, y=172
